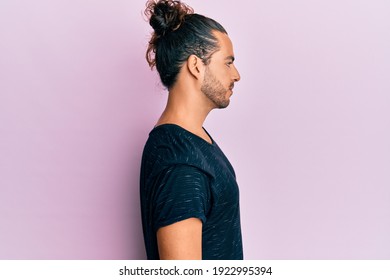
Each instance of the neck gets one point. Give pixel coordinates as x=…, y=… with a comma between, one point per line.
x=186, y=107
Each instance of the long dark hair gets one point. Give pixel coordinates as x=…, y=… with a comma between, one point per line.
x=178, y=33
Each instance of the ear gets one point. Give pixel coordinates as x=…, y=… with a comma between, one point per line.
x=195, y=66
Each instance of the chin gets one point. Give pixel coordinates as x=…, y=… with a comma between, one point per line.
x=223, y=105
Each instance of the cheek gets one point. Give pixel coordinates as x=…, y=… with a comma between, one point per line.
x=225, y=75
x=230, y=73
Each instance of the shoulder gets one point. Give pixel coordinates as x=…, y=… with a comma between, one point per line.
x=168, y=138
x=171, y=144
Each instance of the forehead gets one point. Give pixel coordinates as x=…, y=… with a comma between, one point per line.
x=225, y=45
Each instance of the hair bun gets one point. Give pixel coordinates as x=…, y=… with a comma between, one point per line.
x=166, y=15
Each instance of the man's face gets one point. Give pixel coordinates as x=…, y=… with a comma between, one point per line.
x=220, y=74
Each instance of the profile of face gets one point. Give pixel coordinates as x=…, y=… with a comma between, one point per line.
x=220, y=74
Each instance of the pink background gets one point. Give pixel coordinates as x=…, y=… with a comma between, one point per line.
x=308, y=128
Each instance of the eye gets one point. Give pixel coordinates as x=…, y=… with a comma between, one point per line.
x=229, y=63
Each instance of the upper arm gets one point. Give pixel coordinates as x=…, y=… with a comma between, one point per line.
x=181, y=240
x=181, y=203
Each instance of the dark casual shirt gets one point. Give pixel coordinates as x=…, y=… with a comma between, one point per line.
x=183, y=176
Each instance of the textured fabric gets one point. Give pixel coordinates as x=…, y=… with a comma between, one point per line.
x=184, y=176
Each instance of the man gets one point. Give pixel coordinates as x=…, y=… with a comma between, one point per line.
x=189, y=194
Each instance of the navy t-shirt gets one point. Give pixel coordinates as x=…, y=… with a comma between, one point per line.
x=183, y=176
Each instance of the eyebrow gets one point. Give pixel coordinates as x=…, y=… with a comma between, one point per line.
x=230, y=57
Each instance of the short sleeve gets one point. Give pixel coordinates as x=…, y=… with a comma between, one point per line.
x=182, y=192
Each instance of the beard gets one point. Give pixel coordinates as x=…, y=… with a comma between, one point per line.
x=214, y=90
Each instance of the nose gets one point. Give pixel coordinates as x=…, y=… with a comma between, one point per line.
x=236, y=75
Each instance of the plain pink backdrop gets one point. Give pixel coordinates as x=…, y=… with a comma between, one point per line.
x=308, y=128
